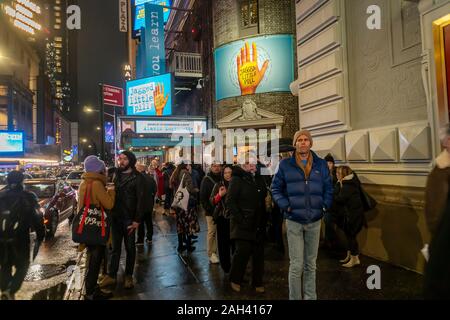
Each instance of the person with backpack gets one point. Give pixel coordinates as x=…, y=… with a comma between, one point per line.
x=349, y=209
x=206, y=188
x=18, y=214
x=93, y=185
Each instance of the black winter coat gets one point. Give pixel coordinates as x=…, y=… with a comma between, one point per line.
x=27, y=205
x=206, y=189
x=150, y=192
x=437, y=270
x=245, y=201
x=130, y=203
x=348, y=207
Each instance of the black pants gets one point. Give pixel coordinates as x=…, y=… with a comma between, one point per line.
x=120, y=233
x=352, y=244
x=224, y=244
x=169, y=198
x=147, y=223
x=96, y=254
x=245, y=249
x=21, y=261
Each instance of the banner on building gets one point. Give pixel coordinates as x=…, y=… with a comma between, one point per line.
x=150, y=96
x=138, y=10
x=254, y=65
x=154, y=41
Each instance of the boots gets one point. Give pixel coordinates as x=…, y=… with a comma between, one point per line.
x=189, y=245
x=346, y=259
x=181, y=246
x=354, y=261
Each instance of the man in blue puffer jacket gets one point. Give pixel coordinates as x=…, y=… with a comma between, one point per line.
x=303, y=189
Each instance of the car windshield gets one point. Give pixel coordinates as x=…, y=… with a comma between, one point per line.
x=42, y=190
x=75, y=175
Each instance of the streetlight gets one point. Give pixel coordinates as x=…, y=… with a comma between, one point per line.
x=98, y=128
x=84, y=140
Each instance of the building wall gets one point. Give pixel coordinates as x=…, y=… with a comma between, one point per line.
x=275, y=16
x=385, y=70
x=362, y=96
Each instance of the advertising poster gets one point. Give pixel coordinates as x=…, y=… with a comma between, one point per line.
x=254, y=65
x=109, y=132
x=11, y=143
x=150, y=96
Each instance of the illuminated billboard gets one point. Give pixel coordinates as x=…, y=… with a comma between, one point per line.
x=150, y=96
x=12, y=143
x=254, y=65
x=24, y=15
x=138, y=10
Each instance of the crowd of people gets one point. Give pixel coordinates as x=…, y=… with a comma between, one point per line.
x=243, y=208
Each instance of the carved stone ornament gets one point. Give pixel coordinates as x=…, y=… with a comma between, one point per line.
x=249, y=110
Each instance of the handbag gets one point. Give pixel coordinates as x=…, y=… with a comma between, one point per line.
x=368, y=202
x=181, y=197
x=91, y=224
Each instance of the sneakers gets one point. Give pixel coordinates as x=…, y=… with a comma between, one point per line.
x=6, y=295
x=149, y=242
x=235, y=287
x=107, y=281
x=99, y=295
x=214, y=259
x=354, y=261
x=129, y=284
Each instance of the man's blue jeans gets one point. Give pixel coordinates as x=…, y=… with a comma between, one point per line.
x=303, y=243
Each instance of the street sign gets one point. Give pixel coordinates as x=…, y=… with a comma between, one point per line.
x=113, y=96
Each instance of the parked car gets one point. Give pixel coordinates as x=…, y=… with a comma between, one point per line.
x=58, y=202
x=74, y=179
x=2, y=181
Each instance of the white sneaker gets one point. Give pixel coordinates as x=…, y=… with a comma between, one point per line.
x=214, y=259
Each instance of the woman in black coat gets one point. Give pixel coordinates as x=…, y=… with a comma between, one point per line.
x=245, y=201
x=349, y=211
x=222, y=219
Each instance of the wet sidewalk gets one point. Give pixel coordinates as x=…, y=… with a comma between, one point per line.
x=162, y=273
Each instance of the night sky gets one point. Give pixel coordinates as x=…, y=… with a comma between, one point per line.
x=101, y=53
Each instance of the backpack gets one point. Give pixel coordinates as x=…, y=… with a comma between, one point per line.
x=10, y=221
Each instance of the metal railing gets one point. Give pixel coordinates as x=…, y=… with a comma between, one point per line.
x=186, y=64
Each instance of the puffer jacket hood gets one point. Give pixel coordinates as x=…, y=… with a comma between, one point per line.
x=307, y=197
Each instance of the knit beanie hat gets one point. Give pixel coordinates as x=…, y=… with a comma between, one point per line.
x=302, y=133
x=329, y=158
x=94, y=164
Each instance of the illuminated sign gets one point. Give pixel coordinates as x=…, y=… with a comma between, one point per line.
x=150, y=96
x=109, y=132
x=169, y=127
x=12, y=143
x=138, y=9
x=123, y=17
x=22, y=13
x=127, y=72
x=254, y=65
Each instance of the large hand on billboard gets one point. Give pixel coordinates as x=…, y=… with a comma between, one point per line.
x=249, y=74
x=159, y=99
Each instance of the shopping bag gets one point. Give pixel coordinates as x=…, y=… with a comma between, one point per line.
x=91, y=225
x=181, y=197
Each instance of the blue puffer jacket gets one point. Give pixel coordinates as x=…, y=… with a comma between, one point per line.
x=307, y=199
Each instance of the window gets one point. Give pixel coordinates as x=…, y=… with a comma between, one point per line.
x=249, y=13
x=57, y=20
x=57, y=26
x=59, y=39
x=3, y=91
x=57, y=14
